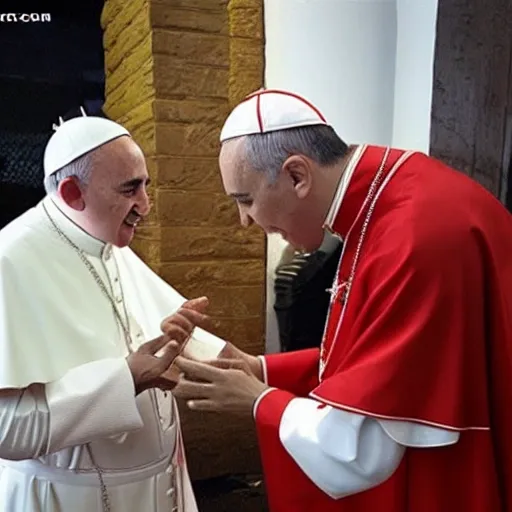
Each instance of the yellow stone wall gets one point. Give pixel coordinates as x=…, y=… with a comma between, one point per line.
x=174, y=68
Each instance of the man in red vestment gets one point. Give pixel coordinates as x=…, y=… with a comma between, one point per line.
x=406, y=406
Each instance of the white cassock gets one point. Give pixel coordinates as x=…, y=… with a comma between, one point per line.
x=67, y=402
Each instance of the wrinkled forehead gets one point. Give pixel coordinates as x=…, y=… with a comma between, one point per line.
x=236, y=174
x=118, y=161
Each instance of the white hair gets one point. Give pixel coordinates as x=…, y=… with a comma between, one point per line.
x=266, y=152
x=80, y=169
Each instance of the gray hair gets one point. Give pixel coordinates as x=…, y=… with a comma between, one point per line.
x=266, y=152
x=80, y=169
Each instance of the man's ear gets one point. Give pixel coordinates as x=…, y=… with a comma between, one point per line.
x=71, y=193
x=297, y=168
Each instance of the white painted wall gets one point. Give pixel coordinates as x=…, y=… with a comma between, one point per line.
x=367, y=64
x=414, y=73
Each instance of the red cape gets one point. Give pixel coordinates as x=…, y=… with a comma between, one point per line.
x=426, y=337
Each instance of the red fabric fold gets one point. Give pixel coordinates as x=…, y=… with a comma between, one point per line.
x=296, y=372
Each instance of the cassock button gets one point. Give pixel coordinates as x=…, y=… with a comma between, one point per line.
x=170, y=492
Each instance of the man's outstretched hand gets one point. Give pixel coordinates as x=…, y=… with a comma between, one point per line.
x=180, y=325
x=223, y=385
x=146, y=367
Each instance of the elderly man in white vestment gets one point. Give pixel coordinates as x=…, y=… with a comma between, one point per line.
x=86, y=419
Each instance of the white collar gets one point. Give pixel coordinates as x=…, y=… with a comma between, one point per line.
x=342, y=187
x=75, y=233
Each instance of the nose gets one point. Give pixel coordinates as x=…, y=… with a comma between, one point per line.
x=144, y=205
x=245, y=219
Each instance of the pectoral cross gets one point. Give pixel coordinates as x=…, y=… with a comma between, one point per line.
x=338, y=292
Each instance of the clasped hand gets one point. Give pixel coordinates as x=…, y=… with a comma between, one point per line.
x=230, y=384
x=151, y=363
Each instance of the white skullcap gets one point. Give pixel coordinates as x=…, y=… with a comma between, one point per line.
x=76, y=137
x=269, y=110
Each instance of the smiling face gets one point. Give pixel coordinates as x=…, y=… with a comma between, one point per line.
x=115, y=198
x=291, y=206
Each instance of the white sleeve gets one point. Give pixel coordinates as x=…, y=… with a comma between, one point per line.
x=344, y=453
x=93, y=400
x=24, y=423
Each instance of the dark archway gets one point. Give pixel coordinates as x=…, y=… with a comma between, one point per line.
x=48, y=68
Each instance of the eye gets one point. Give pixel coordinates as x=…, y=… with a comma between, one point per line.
x=130, y=192
x=245, y=202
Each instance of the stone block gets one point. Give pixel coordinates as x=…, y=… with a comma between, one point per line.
x=135, y=28
x=190, y=277
x=129, y=67
x=227, y=301
x=119, y=16
x=136, y=90
x=244, y=4
x=171, y=17
x=179, y=208
x=199, y=5
x=148, y=233
x=112, y=9
x=191, y=111
x=196, y=243
x=146, y=244
x=138, y=116
x=192, y=47
x=243, y=48
x=189, y=174
x=245, y=333
x=246, y=22
x=217, y=273
x=198, y=139
x=172, y=79
x=246, y=69
x=144, y=136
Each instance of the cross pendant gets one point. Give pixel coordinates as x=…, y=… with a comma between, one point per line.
x=338, y=293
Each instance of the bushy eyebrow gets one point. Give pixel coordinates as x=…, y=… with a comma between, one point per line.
x=135, y=183
x=240, y=195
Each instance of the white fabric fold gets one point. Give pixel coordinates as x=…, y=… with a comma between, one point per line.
x=93, y=400
x=414, y=435
x=24, y=423
x=344, y=453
